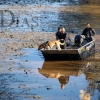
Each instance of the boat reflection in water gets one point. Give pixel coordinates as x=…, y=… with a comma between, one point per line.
x=62, y=70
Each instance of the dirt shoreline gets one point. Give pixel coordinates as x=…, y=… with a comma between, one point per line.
x=19, y=58
x=13, y=42
x=13, y=67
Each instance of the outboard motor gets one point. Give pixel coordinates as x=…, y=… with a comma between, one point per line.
x=78, y=40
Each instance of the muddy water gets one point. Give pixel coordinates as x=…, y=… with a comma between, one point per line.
x=19, y=78
x=27, y=76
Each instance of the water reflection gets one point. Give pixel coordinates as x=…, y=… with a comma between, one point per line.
x=84, y=95
x=63, y=70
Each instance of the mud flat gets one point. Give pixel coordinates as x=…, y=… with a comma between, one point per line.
x=19, y=58
x=12, y=42
x=19, y=63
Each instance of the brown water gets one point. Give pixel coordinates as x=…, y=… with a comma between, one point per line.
x=27, y=76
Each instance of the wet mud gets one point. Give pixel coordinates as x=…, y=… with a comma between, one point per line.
x=24, y=74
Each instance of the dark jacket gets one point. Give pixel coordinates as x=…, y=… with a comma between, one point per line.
x=64, y=36
x=88, y=33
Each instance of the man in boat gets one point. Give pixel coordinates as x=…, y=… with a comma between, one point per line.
x=58, y=32
x=63, y=37
x=88, y=32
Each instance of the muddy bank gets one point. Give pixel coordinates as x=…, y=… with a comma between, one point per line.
x=23, y=39
x=41, y=18
x=20, y=78
x=23, y=26
x=19, y=40
x=63, y=2
x=34, y=38
x=12, y=44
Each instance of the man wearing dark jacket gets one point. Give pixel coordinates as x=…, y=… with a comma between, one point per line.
x=88, y=32
x=63, y=37
x=58, y=32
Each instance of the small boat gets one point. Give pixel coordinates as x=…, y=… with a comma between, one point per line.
x=71, y=52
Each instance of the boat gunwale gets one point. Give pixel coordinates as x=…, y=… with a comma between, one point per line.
x=70, y=49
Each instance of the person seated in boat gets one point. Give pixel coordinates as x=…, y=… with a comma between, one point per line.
x=58, y=32
x=63, y=36
x=88, y=32
x=78, y=40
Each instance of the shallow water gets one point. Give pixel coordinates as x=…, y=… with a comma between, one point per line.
x=29, y=77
